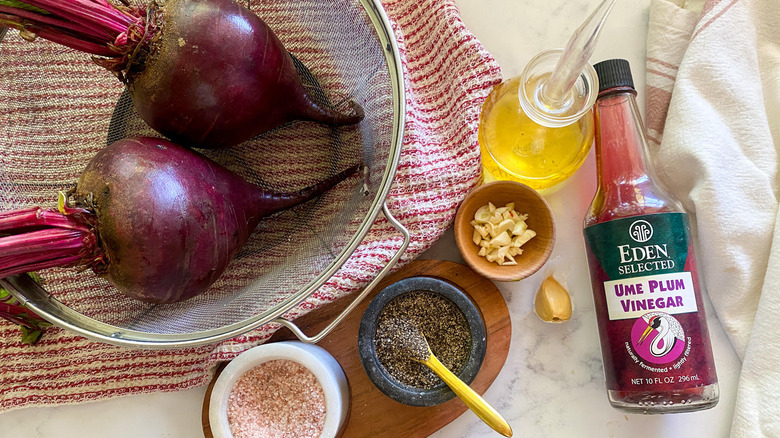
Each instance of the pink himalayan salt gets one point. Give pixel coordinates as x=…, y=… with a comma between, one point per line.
x=277, y=399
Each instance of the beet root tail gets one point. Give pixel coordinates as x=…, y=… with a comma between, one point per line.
x=316, y=112
x=282, y=201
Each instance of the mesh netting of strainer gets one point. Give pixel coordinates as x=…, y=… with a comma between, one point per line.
x=57, y=108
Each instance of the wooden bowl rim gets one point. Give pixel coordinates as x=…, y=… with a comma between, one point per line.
x=524, y=268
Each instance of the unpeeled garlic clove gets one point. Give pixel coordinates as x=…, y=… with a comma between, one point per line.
x=552, y=302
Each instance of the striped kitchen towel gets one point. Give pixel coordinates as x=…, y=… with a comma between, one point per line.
x=448, y=74
x=670, y=30
x=713, y=114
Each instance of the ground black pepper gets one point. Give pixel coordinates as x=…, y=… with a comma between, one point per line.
x=440, y=321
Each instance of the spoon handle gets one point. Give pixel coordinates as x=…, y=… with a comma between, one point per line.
x=476, y=403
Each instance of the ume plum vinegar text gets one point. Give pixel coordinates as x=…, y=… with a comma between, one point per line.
x=654, y=339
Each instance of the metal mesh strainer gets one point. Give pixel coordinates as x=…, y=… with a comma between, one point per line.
x=57, y=109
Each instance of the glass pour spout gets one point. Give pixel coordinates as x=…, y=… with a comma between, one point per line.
x=574, y=58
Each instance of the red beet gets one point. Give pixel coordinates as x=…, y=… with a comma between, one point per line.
x=161, y=221
x=205, y=73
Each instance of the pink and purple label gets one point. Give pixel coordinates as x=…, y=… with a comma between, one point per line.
x=648, y=303
x=658, y=337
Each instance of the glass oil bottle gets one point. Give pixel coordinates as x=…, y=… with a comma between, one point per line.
x=525, y=139
x=537, y=128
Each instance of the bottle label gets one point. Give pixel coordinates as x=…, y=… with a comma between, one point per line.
x=633, y=297
x=646, y=289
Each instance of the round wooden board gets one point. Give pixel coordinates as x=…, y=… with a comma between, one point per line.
x=372, y=414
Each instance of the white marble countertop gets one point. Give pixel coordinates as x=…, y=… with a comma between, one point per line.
x=552, y=383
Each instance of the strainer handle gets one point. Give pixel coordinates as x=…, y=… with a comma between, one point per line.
x=390, y=264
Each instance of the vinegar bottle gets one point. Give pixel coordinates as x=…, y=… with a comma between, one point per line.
x=653, y=331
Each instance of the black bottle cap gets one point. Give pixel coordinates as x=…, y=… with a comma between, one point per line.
x=614, y=73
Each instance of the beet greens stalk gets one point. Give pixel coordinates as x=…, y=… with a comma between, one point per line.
x=48, y=238
x=33, y=239
x=32, y=325
x=115, y=33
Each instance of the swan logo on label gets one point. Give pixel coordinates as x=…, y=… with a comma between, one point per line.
x=641, y=231
x=658, y=337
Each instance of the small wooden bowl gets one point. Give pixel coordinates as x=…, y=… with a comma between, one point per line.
x=527, y=201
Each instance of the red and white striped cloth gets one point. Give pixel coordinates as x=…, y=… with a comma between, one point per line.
x=448, y=74
x=713, y=115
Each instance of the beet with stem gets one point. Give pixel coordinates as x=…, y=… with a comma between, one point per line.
x=161, y=221
x=204, y=73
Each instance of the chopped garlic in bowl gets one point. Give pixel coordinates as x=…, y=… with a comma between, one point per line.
x=500, y=232
x=504, y=230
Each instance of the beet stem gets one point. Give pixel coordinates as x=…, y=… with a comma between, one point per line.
x=51, y=21
x=9, y=313
x=17, y=213
x=88, y=14
x=119, y=17
x=31, y=324
x=38, y=217
x=39, y=239
x=57, y=259
x=90, y=26
x=16, y=310
x=63, y=262
x=75, y=43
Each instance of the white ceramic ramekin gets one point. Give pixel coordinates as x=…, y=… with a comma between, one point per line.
x=324, y=367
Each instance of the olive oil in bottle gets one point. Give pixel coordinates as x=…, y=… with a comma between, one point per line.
x=516, y=147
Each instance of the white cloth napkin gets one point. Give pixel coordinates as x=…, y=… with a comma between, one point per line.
x=716, y=68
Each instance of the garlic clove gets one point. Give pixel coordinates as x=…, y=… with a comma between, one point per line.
x=519, y=228
x=482, y=215
x=552, y=302
x=476, y=237
x=505, y=225
x=521, y=240
x=502, y=239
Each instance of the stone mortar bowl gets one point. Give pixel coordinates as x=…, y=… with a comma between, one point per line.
x=391, y=387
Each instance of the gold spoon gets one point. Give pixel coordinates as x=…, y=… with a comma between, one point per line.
x=417, y=349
